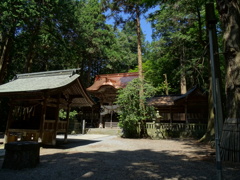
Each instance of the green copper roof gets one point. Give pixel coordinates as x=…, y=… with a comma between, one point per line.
x=38, y=81
x=65, y=81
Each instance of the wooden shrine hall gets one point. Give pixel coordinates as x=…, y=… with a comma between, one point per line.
x=191, y=107
x=105, y=88
x=35, y=100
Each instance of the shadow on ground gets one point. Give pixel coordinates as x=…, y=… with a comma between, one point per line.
x=71, y=143
x=119, y=165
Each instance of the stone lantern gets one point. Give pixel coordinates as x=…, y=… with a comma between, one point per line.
x=157, y=124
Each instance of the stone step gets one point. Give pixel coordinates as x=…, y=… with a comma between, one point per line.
x=107, y=131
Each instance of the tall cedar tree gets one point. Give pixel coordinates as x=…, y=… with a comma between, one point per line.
x=229, y=11
x=134, y=9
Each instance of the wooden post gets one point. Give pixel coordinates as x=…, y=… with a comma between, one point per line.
x=43, y=114
x=54, y=137
x=66, y=133
x=83, y=126
x=216, y=81
x=186, y=111
x=9, y=122
x=101, y=124
x=101, y=117
x=171, y=116
x=92, y=117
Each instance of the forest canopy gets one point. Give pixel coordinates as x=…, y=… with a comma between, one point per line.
x=50, y=35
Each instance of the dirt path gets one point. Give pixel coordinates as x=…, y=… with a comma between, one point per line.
x=110, y=157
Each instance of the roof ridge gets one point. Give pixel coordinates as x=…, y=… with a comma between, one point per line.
x=69, y=72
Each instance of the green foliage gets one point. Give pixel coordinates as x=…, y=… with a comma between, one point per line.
x=55, y=35
x=123, y=53
x=129, y=101
x=156, y=68
x=63, y=114
x=127, y=14
x=180, y=43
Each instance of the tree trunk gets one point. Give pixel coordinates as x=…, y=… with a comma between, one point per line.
x=139, y=44
x=31, y=48
x=143, y=132
x=5, y=57
x=230, y=17
x=90, y=63
x=183, y=82
x=209, y=135
x=229, y=11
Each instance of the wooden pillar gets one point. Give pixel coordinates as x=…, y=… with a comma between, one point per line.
x=56, y=121
x=43, y=116
x=9, y=122
x=92, y=117
x=100, y=123
x=186, y=111
x=101, y=117
x=68, y=111
x=171, y=116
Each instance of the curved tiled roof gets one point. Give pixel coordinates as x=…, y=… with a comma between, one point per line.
x=50, y=82
x=117, y=81
x=170, y=100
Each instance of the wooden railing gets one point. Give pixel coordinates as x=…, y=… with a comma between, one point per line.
x=175, y=129
x=62, y=126
x=177, y=126
x=49, y=125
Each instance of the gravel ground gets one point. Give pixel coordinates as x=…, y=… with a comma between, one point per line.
x=111, y=157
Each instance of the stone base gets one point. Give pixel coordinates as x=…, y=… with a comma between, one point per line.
x=21, y=154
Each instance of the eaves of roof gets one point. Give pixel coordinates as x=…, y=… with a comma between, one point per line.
x=50, y=82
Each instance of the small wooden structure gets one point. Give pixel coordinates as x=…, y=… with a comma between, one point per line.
x=105, y=88
x=191, y=107
x=20, y=155
x=35, y=100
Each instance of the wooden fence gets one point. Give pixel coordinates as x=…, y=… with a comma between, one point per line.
x=162, y=130
x=177, y=126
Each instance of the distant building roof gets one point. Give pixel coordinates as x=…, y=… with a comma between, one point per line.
x=105, y=86
x=50, y=82
x=117, y=81
x=171, y=100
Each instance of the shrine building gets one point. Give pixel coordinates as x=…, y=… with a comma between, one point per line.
x=105, y=88
x=35, y=100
